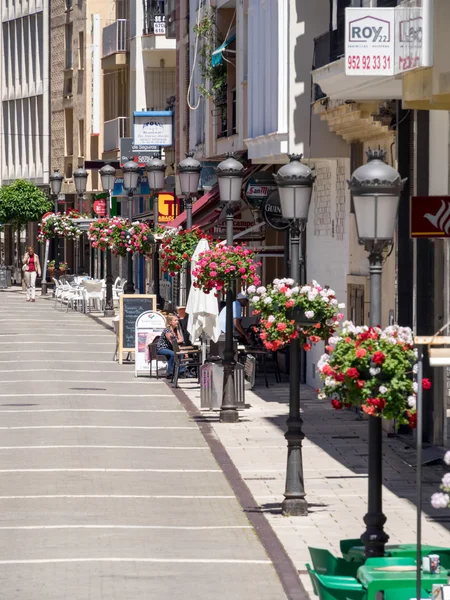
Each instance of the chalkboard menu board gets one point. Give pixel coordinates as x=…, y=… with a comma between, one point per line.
x=131, y=307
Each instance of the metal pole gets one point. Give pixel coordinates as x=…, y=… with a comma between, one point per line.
x=228, y=410
x=44, y=270
x=294, y=502
x=80, y=257
x=375, y=538
x=419, y=434
x=129, y=287
x=56, y=240
x=109, y=304
x=156, y=286
x=188, y=206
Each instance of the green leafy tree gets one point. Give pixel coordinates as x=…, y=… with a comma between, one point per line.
x=22, y=202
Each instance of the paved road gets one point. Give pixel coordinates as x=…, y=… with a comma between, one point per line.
x=108, y=490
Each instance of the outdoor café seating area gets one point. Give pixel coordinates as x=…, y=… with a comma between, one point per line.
x=84, y=293
x=352, y=576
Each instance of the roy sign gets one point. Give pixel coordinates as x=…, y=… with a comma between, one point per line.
x=385, y=41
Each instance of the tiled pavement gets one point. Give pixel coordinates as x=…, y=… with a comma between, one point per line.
x=335, y=470
x=108, y=489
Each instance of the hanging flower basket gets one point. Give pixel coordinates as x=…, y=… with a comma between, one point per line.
x=178, y=246
x=100, y=233
x=58, y=225
x=288, y=311
x=220, y=267
x=373, y=369
x=124, y=237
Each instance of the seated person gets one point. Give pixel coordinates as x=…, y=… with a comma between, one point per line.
x=164, y=345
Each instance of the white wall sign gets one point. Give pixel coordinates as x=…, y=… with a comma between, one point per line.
x=154, y=130
x=95, y=75
x=369, y=41
x=408, y=39
x=148, y=325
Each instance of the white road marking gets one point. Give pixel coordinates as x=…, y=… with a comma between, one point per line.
x=106, y=447
x=24, y=351
x=117, y=496
x=93, y=427
x=65, y=394
x=89, y=470
x=83, y=410
x=175, y=527
x=78, y=381
x=207, y=561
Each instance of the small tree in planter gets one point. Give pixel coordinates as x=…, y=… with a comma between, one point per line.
x=373, y=369
x=178, y=247
x=220, y=267
x=282, y=303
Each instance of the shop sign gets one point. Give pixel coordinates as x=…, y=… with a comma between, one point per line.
x=168, y=207
x=239, y=226
x=141, y=155
x=271, y=212
x=369, y=41
x=99, y=207
x=154, y=128
x=408, y=39
x=142, y=189
x=259, y=187
x=430, y=217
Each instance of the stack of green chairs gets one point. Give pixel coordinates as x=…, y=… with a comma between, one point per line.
x=332, y=587
x=326, y=563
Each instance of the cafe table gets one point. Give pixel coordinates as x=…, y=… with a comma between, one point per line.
x=356, y=553
x=375, y=579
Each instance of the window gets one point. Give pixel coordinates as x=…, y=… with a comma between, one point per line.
x=81, y=50
x=68, y=33
x=68, y=131
x=81, y=137
x=68, y=85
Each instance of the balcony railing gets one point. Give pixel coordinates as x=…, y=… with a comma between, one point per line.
x=154, y=17
x=114, y=130
x=330, y=46
x=115, y=38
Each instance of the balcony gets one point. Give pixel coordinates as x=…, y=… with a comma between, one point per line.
x=115, y=45
x=154, y=30
x=114, y=130
x=329, y=64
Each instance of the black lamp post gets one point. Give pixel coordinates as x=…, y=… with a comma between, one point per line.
x=156, y=172
x=56, y=180
x=295, y=182
x=189, y=172
x=130, y=180
x=80, y=176
x=108, y=177
x=230, y=174
x=376, y=189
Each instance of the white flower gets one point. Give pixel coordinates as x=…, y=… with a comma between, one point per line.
x=439, y=500
x=333, y=340
x=271, y=319
x=288, y=293
x=374, y=371
x=251, y=289
x=305, y=289
x=341, y=305
x=331, y=292
x=415, y=386
x=321, y=396
x=415, y=368
x=276, y=282
x=447, y=457
x=446, y=480
x=382, y=389
x=309, y=314
x=268, y=300
x=289, y=281
x=255, y=299
x=312, y=295
x=333, y=302
x=295, y=289
x=411, y=402
x=326, y=300
x=261, y=290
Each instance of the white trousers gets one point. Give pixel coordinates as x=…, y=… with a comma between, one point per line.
x=30, y=280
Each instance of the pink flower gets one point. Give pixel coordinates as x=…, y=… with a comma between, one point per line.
x=281, y=326
x=242, y=270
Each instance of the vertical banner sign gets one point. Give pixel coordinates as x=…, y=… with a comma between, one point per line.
x=95, y=75
x=430, y=217
x=168, y=207
x=369, y=41
x=408, y=38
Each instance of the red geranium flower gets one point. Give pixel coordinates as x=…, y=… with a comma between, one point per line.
x=352, y=373
x=336, y=404
x=360, y=353
x=426, y=384
x=360, y=384
x=378, y=357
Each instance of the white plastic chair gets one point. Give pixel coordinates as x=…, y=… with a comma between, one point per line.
x=75, y=300
x=58, y=290
x=93, y=291
x=67, y=293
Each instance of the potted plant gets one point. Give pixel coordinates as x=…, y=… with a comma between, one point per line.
x=51, y=268
x=178, y=246
x=374, y=369
x=288, y=310
x=218, y=268
x=63, y=266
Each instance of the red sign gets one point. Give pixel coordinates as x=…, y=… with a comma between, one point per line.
x=100, y=207
x=430, y=216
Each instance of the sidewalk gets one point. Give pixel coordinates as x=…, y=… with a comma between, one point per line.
x=109, y=490
x=335, y=470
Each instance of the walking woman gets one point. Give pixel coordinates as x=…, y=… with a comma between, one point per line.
x=31, y=269
x=164, y=345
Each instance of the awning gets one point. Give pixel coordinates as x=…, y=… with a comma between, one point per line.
x=212, y=199
x=216, y=58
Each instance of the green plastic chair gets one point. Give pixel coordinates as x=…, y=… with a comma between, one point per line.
x=313, y=581
x=326, y=563
x=345, y=545
x=337, y=588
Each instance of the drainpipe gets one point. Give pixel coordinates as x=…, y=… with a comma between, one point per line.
x=427, y=33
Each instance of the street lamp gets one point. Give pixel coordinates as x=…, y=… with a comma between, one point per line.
x=156, y=173
x=130, y=180
x=189, y=171
x=295, y=183
x=80, y=177
x=376, y=189
x=56, y=180
x=230, y=174
x=108, y=177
